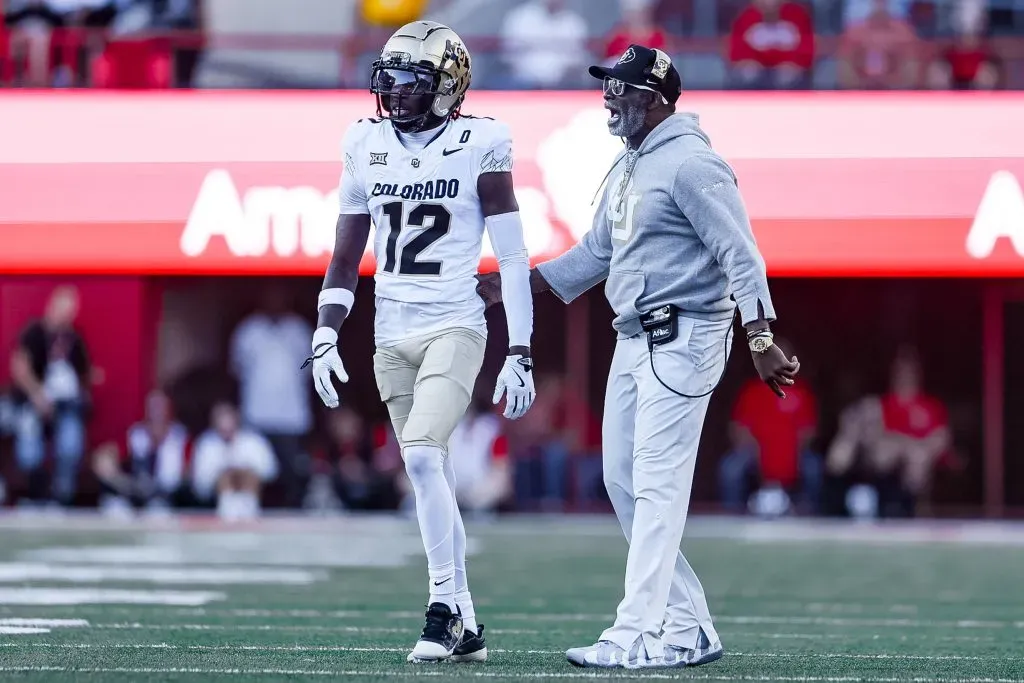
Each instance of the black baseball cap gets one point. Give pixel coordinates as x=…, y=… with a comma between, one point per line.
x=644, y=67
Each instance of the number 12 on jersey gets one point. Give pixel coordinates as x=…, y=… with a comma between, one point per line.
x=440, y=223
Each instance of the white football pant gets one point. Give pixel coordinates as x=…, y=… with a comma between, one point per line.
x=650, y=439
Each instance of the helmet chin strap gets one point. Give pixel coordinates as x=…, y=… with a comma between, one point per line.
x=413, y=124
x=408, y=124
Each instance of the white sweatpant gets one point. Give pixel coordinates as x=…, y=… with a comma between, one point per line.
x=650, y=439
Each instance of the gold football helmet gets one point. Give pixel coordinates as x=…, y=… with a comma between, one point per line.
x=423, y=73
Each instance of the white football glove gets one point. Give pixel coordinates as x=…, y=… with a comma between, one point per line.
x=325, y=360
x=516, y=380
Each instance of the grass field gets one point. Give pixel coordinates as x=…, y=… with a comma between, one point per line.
x=287, y=600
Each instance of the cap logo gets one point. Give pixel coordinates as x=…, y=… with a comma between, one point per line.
x=627, y=57
x=662, y=63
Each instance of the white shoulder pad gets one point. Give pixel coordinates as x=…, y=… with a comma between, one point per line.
x=351, y=144
x=492, y=144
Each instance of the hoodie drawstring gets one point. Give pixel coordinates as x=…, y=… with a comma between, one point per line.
x=614, y=166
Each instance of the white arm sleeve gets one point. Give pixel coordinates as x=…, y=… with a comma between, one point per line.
x=506, y=234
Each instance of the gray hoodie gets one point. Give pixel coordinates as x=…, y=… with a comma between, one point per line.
x=674, y=230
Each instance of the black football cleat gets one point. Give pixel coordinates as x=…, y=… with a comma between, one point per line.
x=473, y=647
x=442, y=633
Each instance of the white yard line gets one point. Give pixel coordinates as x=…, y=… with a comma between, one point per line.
x=44, y=623
x=345, y=648
x=136, y=626
x=21, y=572
x=854, y=621
x=904, y=637
x=49, y=597
x=745, y=620
x=794, y=620
x=539, y=675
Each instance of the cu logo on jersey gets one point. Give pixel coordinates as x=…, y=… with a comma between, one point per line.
x=621, y=208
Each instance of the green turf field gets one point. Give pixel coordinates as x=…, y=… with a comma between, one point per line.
x=341, y=600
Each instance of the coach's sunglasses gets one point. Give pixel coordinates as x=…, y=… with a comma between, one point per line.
x=617, y=88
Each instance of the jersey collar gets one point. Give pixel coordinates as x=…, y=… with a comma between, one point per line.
x=440, y=131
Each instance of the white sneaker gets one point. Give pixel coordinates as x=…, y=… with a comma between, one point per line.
x=442, y=633
x=605, y=654
x=705, y=653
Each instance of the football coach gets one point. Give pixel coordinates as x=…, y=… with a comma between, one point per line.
x=673, y=243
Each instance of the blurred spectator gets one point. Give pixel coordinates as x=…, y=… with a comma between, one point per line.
x=917, y=431
x=51, y=373
x=636, y=28
x=880, y=52
x=31, y=25
x=856, y=11
x=892, y=445
x=551, y=443
x=6, y=70
x=154, y=475
x=852, y=460
x=672, y=16
x=969, y=62
x=267, y=349
x=48, y=40
x=771, y=446
x=771, y=46
x=231, y=465
x=479, y=453
x=135, y=56
x=545, y=45
x=346, y=469
x=540, y=450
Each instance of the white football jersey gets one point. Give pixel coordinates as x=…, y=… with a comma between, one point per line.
x=428, y=222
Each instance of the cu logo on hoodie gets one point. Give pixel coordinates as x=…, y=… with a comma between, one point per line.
x=621, y=208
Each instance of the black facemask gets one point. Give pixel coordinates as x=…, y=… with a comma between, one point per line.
x=406, y=95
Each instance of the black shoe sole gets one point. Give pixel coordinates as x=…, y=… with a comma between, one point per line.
x=479, y=655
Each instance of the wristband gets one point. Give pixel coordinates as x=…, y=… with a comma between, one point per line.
x=335, y=296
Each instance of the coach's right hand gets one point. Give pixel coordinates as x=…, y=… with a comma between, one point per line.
x=488, y=286
x=776, y=370
x=326, y=361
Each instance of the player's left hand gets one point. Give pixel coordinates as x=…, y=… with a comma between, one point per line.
x=488, y=286
x=775, y=369
x=326, y=362
x=515, y=381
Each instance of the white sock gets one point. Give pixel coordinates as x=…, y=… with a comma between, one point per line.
x=465, y=603
x=462, y=596
x=227, y=506
x=248, y=505
x=434, y=509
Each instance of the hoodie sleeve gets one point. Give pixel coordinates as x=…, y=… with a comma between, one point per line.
x=705, y=190
x=586, y=264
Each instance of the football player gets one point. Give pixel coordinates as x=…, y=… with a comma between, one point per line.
x=431, y=181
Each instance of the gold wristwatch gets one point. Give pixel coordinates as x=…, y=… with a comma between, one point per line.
x=761, y=341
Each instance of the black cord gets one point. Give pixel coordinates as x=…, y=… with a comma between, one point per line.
x=317, y=354
x=725, y=366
